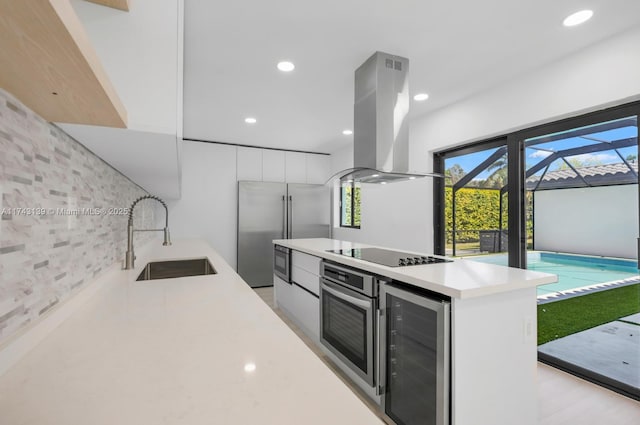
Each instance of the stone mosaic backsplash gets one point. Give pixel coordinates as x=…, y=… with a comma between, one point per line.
x=64, y=216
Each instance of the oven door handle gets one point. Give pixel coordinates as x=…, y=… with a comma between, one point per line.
x=345, y=297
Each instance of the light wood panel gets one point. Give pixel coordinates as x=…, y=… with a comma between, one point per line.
x=116, y=4
x=49, y=64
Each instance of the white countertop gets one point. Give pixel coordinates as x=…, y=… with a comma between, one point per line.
x=174, y=351
x=458, y=279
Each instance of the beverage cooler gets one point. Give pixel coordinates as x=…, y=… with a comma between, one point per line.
x=414, y=356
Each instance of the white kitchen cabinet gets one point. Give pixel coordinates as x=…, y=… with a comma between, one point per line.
x=141, y=52
x=308, y=281
x=310, y=263
x=249, y=164
x=273, y=166
x=305, y=271
x=282, y=294
x=318, y=168
x=299, y=301
x=295, y=167
x=306, y=311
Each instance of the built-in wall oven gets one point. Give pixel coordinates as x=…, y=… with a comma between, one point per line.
x=348, y=316
x=394, y=338
x=282, y=262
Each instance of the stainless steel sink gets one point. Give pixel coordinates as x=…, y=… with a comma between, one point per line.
x=176, y=268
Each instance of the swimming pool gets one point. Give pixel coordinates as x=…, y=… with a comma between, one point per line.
x=574, y=271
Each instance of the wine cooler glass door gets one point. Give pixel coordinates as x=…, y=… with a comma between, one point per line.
x=415, y=355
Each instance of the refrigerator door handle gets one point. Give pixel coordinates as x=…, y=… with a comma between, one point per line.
x=290, y=217
x=284, y=216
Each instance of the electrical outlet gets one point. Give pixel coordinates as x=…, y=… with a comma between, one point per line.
x=528, y=329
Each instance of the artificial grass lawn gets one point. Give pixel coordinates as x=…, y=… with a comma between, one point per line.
x=561, y=318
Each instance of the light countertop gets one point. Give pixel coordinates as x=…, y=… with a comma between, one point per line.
x=174, y=351
x=458, y=279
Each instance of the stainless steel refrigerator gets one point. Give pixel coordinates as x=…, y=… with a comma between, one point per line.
x=268, y=211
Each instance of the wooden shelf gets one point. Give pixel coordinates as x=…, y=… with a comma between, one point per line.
x=116, y=4
x=48, y=62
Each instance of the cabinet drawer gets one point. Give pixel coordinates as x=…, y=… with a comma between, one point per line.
x=306, y=262
x=283, y=293
x=306, y=279
x=306, y=309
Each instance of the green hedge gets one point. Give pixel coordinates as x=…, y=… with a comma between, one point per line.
x=476, y=209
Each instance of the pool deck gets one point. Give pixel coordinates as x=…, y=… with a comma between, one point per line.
x=575, y=292
x=611, y=350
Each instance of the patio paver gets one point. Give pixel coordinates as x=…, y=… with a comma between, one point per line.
x=634, y=318
x=612, y=350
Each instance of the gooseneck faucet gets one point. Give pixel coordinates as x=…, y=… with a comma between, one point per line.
x=130, y=257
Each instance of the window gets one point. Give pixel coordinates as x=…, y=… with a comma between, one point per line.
x=349, y=204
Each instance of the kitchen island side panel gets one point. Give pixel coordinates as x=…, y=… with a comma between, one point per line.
x=494, y=359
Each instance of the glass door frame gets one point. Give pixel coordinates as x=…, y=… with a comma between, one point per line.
x=514, y=197
x=568, y=124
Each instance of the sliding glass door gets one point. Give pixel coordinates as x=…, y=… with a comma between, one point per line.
x=560, y=198
x=582, y=226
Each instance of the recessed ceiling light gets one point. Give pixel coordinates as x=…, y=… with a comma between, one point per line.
x=250, y=120
x=347, y=132
x=249, y=367
x=421, y=97
x=286, y=66
x=577, y=18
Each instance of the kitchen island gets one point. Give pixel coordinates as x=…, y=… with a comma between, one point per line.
x=193, y=350
x=460, y=279
x=492, y=333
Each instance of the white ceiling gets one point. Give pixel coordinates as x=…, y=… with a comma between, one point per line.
x=456, y=48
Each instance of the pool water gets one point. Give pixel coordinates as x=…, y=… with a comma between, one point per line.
x=574, y=271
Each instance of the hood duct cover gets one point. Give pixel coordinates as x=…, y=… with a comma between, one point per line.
x=381, y=121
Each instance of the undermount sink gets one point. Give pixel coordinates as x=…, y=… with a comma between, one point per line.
x=176, y=268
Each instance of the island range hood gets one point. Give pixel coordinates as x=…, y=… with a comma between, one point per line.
x=381, y=122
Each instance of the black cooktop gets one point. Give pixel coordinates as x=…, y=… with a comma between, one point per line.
x=387, y=257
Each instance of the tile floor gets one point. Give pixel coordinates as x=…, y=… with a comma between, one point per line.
x=563, y=399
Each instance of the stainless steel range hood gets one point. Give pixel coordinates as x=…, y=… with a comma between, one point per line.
x=381, y=122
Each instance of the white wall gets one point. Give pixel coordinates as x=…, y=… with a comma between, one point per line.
x=602, y=75
x=392, y=215
x=593, y=221
x=208, y=207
